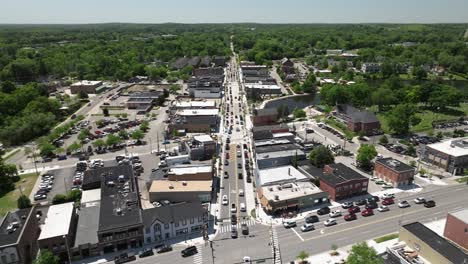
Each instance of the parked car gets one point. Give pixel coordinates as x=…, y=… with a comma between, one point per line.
x=335, y=213
x=330, y=222
x=323, y=210
x=125, y=257
x=360, y=202
x=419, y=200
x=372, y=206
x=383, y=208
x=38, y=197
x=245, y=229
x=289, y=224
x=146, y=253
x=367, y=212
x=347, y=205
x=388, y=201
x=429, y=204
x=312, y=219
x=354, y=209
x=387, y=195
x=189, y=251
x=307, y=227
x=350, y=217
x=403, y=204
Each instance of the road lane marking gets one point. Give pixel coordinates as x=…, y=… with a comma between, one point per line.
x=297, y=234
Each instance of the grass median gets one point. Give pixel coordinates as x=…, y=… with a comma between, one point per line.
x=386, y=238
x=8, y=200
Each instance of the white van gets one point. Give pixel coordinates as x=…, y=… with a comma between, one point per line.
x=225, y=200
x=242, y=207
x=241, y=192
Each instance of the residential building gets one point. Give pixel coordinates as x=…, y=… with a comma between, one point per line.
x=176, y=220
x=287, y=66
x=400, y=253
x=334, y=52
x=450, y=155
x=456, y=228
x=264, y=116
x=181, y=191
x=205, y=61
x=394, y=171
x=201, y=147
x=19, y=231
x=370, y=67
x=190, y=173
x=219, y=61
x=342, y=182
x=195, y=120
x=58, y=230
x=358, y=120
x=88, y=87
x=431, y=246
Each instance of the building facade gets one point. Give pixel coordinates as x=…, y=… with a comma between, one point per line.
x=450, y=155
x=456, y=228
x=394, y=171
x=342, y=182
x=88, y=87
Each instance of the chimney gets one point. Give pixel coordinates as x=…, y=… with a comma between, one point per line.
x=289, y=171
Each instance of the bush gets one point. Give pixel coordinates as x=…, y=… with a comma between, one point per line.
x=59, y=199
x=23, y=202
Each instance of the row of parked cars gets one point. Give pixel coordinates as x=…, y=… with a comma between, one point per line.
x=47, y=182
x=160, y=248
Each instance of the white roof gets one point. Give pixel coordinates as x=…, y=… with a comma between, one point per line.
x=203, y=138
x=280, y=174
x=262, y=86
x=282, y=134
x=186, y=104
x=190, y=170
x=198, y=112
x=85, y=82
x=57, y=222
x=462, y=215
x=90, y=196
x=452, y=147
x=290, y=190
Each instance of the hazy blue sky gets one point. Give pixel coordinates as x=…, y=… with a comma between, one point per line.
x=219, y=11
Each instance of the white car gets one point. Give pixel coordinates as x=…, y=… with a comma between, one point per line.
x=225, y=200
x=403, y=204
x=242, y=207
x=289, y=224
x=335, y=213
x=241, y=192
x=330, y=222
x=387, y=196
x=383, y=208
x=246, y=259
x=419, y=200
x=307, y=227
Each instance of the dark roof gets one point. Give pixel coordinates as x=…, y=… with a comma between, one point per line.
x=194, y=61
x=357, y=115
x=259, y=135
x=21, y=217
x=151, y=94
x=436, y=242
x=395, y=165
x=274, y=148
x=209, y=120
x=341, y=173
x=265, y=112
x=210, y=71
x=173, y=212
x=205, y=61
x=179, y=63
x=118, y=209
x=88, y=222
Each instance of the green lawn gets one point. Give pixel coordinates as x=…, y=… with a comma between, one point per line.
x=386, y=238
x=462, y=179
x=8, y=201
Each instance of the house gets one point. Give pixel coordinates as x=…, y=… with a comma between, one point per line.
x=456, y=228
x=19, y=231
x=284, y=188
x=205, y=61
x=287, y=66
x=450, y=155
x=190, y=173
x=429, y=245
x=88, y=87
x=334, y=52
x=394, y=171
x=195, y=120
x=180, y=191
x=194, y=61
x=219, y=61
x=358, y=120
x=264, y=116
x=342, y=182
x=177, y=220
x=179, y=63
x=370, y=67
x=201, y=147
x=58, y=230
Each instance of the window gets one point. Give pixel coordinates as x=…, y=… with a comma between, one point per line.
x=147, y=230
x=324, y=199
x=4, y=259
x=357, y=185
x=166, y=226
x=184, y=222
x=148, y=240
x=364, y=184
x=13, y=257
x=200, y=219
x=192, y=220
x=177, y=224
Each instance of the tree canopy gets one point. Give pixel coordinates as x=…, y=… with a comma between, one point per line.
x=362, y=253
x=366, y=153
x=321, y=156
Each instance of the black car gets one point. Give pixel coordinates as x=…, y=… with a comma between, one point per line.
x=429, y=204
x=146, y=253
x=245, y=229
x=123, y=258
x=371, y=205
x=360, y=202
x=323, y=210
x=192, y=250
x=239, y=175
x=311, y=219
x=234, y=233
x=373, y=199
x=164, y=249
x=234, y=219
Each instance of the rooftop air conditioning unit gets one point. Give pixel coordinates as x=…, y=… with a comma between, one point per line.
x=184, y=183
x=171, y=187
x=270, y=189
x=276, y=197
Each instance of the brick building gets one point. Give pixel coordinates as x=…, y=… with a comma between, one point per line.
x=394, y=171
x=88, y=87
x=190, y=173
x=456, y=228
x=342, y=182
x=358, y=120
x=265, y=116
x=287, y=66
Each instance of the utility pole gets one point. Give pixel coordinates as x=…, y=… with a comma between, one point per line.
x=157, y=138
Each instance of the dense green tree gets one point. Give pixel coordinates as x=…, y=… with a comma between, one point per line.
x=23, y=202
x=383, y=97
x=321, y=156
x=401, y=118
x=8, y=176
x=334, y=94
x=46, y=149
x=383, y=140
x=46, y=257
x=83, y=95
x=113, y=140
x=362, y=253
x=299, y=113
x=366, y=153
x=59, y=199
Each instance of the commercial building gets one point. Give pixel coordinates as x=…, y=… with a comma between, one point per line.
x=201, y=147
x=195, y=120
x=219, y=61
x=180, y=191
x=264, y=116
x=86, y=239
x=206, y=86
x=88, y=87
x=190, y=173
x=186, y=219
x=178, y=105
x=19, y=231
x=208, y=71
x=143, y=100
x=450, y=155
x=342, y=182
x=260, y=89
x=279, y=158
x=431, y=246
x=358, y=120
x=285, y=188
x=58, y=230
x=456, y=228
x=394, y=171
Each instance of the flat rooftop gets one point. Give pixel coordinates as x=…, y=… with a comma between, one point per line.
x=269, y=142
x=462, y=215
x=277, y=175
x=203, y=138
x=57, y=222
x=88, y=196
x=279, y=154
x=85, y=83
x=182, y=170
x=289, y=191
x=395, y=165
x=262, y=86
x=198, y=112
x=180, y=186
x=276, y=148
x=189, y=104
x=12, y=226
x=452, y=147
x=88, y=223
x=341, y=173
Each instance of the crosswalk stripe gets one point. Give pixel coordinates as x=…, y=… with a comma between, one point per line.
x=227, y=228
x=198, y=258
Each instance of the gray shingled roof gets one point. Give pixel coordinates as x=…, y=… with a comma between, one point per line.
x=173, y=212
x=356, y=115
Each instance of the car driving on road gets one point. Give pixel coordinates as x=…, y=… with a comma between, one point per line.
x=330, y=222
x=403, y=204
x=289, y=224
x=307, y=227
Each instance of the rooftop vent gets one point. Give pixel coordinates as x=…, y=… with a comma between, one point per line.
x=184, y=183
x=276, y=197
x=270, y=189
x=171, y=186
x=119, y=211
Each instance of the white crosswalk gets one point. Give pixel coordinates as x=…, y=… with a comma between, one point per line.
x=275, y=246
x=227, y=227
x=198, y=258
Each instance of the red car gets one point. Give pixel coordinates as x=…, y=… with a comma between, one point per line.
x=350, y=216
x=388, y=201
x=354, y=209
x=367, y=212
x=227, y=155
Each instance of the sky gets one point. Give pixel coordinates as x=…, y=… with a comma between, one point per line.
x=231, y=11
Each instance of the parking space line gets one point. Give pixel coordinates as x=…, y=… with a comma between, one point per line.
x=297, y=234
